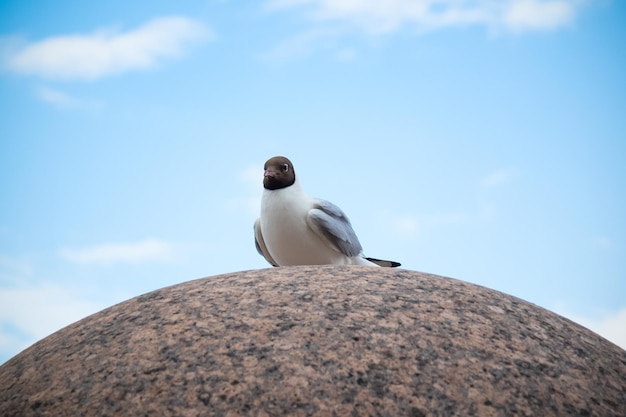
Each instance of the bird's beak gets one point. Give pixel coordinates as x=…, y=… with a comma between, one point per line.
x=269, y=173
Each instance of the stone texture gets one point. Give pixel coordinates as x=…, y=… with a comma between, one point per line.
x=344, y=341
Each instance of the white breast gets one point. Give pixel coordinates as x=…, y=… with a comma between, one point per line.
x=287, y=236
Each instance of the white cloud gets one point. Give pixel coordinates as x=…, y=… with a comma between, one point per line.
x=56, y=97
x=498, y=177
x=106, y=52
x=144, y=251
x=12, y=267
x=610, y=326
x=251, y=179
x=28, y=314
x=537, y=15
x=63, y=100
x=303, y=44
x=407, y=226
x=252, y=175
x=377, y=16
x=11, y=343
x=346, y=54
x=411, y=225
x=602, y=242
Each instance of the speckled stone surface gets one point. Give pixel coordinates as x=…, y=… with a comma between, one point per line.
x=344, y=341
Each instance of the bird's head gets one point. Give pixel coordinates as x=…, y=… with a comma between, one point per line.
x=278, y=174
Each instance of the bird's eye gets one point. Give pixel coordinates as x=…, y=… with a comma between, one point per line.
x=285, y=167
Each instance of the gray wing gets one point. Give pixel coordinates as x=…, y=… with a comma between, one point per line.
x=332, y=225
x=260, y=243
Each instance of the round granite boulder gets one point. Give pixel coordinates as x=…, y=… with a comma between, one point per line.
x=319, y=340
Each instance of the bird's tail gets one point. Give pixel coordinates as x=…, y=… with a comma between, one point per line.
x=381, y=262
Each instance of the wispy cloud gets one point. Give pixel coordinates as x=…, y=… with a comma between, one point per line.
x=377, y=17
x=611, y=326
x=149, y=250
x=28, y=314
x=407, y=226
x=307, y=42
x=62, y=100
x=11, y=267
x=524, y=15
x=249, y=200
x=602, y=242
x=499, y=177
x=411, y=225
x=106, y=52
x=346, y=54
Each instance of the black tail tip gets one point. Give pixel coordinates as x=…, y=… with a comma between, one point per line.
x=387, y=264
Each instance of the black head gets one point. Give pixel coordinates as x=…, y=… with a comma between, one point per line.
x=279, y=173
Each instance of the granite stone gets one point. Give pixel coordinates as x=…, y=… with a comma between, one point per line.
x=319, y=341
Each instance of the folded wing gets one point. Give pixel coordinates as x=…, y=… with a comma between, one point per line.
x=260, y=243
x=332, y=225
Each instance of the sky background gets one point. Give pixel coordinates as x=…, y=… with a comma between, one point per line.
x=480, y=140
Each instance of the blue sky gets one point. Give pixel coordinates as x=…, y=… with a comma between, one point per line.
x=480, y=140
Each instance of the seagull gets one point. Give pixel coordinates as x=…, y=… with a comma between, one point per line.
x=297, y=229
